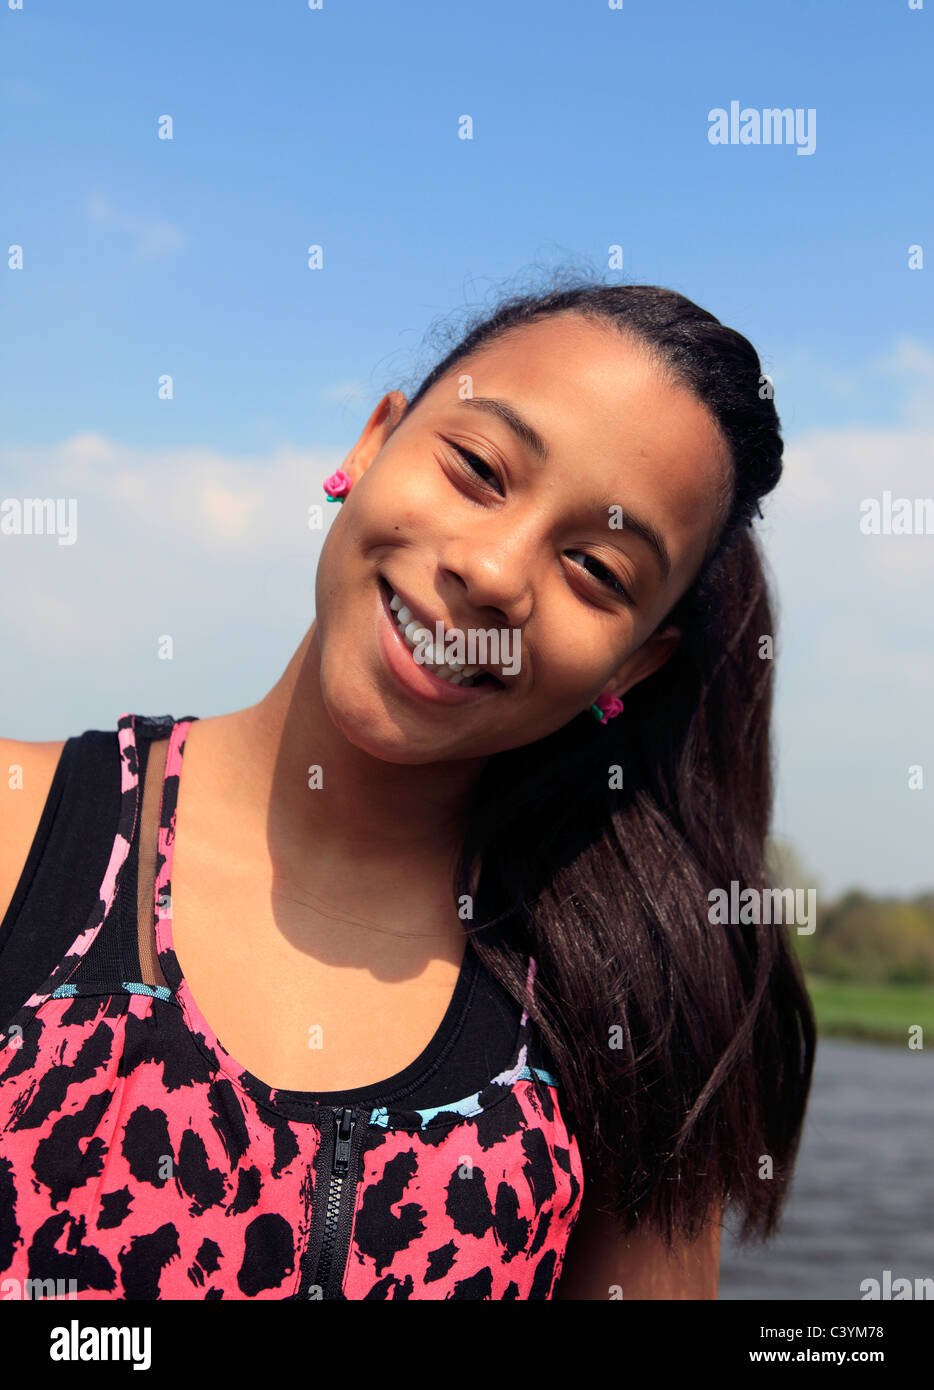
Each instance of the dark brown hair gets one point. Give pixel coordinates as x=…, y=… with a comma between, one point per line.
x=683, y=1049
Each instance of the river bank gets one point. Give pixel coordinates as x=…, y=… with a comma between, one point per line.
x=876, y=1013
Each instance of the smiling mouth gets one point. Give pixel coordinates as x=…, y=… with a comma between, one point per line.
x=407, y=626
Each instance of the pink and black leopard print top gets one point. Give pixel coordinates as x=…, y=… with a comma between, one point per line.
x=138, y=1160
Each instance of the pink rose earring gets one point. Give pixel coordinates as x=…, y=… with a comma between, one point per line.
x=606, y=707
x=338, y=485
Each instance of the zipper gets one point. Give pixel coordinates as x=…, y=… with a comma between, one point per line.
x=334, y=1194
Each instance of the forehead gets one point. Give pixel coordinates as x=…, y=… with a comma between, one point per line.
x=612, y=419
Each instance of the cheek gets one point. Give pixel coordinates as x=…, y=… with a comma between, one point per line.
x=328, y=578
x=396, y=508
x=338, y=587
x=567, y=672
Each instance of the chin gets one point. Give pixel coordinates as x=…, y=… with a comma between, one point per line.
x=373, y=731
x=395, y=748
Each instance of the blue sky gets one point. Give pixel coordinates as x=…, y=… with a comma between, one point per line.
x=339, y=127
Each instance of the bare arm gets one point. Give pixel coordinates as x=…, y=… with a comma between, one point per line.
x=26, y=772
x=602, y=1263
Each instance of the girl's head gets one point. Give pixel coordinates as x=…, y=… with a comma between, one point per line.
x=683, y=1044
x=566, y=475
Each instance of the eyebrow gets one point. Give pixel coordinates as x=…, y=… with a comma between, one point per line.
x=635, y=525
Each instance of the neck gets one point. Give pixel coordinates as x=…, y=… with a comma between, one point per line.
x=403, y=811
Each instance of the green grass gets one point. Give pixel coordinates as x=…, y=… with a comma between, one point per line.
x=882, y=1013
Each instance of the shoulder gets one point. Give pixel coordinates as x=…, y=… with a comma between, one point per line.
x=26, y=774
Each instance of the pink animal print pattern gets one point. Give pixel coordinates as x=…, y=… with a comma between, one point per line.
x=140, y=1161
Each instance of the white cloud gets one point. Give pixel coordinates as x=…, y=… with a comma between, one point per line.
x=856, y=646
x=900, y=380
x=915, y=361
x=88, y=446
x=188, y=497
x=837, y=468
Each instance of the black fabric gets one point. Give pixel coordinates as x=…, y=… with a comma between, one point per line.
x=64, y=868
x=60, y=883
x=114, y=953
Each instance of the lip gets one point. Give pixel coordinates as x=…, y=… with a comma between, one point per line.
x=416, y=679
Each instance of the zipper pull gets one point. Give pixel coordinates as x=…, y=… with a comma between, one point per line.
x=344, y=1121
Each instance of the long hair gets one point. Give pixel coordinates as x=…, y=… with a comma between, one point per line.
x=684, y=1049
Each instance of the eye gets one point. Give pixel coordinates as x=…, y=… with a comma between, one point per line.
x=606, y=576
x=477, y=466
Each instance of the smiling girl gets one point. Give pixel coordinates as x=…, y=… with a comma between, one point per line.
x=401, y=982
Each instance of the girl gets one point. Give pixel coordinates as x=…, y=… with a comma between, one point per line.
x=403, y=982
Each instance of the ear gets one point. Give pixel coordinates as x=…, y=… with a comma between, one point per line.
x=653, y=653
x=375, y=432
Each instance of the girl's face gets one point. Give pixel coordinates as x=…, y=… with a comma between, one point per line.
x=540, y=540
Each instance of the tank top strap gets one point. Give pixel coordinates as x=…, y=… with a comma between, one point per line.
x=529, y=1056
x=62, y=982
x=146, y=849
x=537, y=1059
x=136, y=908
x=115, y=950
x=113, y=959
x=161, y=741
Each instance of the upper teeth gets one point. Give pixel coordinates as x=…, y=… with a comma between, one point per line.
x=412, y=630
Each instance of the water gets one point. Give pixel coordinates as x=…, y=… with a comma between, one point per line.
x=862, y=1197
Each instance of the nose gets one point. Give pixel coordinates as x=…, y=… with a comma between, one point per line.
x=493, y=577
